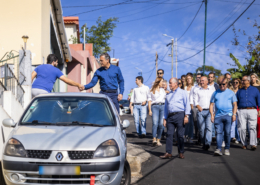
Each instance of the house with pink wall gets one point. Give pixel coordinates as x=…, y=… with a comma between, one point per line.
x=83, y=65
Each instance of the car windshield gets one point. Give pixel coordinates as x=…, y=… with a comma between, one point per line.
x=69, y=111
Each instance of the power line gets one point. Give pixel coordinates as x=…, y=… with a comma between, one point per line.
x=127, y=3
x=232, y=2
x=192, y=20
x=155, y=66
x=157, y=14
x=181, y=62
x=221, y=33
x=100, y=8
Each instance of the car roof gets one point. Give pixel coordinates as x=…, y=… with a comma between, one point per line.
x=78, y=94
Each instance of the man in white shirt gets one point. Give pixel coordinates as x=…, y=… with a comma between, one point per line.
x=202, y=102
x=214, y=86
x=139, y=99
x=193, y=108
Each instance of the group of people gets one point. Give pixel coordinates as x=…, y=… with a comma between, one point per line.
x=223, y=111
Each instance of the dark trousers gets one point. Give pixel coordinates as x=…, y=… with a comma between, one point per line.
x=113, y=97
x=175, y=121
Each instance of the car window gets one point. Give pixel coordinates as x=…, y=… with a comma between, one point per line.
x=53, y=110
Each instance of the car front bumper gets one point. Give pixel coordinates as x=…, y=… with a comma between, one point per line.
x=90, y=173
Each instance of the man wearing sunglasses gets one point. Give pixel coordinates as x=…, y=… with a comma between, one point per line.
x=225, y=103
x=248, y=100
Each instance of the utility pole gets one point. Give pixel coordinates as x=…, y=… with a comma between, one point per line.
x=156, y=63
x=176, y=59
x=84, y=38
x=172, y=56
x=205, y=31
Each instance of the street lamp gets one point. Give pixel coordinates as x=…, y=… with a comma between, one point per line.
x=172, y=49
x=25, y=38
x=139, y=70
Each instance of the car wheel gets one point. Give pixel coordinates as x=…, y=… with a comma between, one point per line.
x=126, y=177
x=2, y=180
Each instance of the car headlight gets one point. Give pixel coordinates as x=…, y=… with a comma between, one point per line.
x=15, y=148
x=107, y=149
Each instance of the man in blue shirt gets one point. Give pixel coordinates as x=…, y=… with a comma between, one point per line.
x=176, y=113
x=248, y=99
x=225, y=102
x=110, y=77
x=46, y=75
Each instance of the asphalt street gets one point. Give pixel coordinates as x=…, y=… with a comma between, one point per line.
x=199, y=166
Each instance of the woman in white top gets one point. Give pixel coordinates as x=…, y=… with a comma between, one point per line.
x=156, y=100
x=189, y=85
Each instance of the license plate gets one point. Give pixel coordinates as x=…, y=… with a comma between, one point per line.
x=59, y=170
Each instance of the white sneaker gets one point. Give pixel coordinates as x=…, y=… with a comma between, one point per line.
x=190, y=140
x=218, y=152
x=223, y=144
x=226, y=152
x=236, y=142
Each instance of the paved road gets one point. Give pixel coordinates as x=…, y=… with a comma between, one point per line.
x=198, y=167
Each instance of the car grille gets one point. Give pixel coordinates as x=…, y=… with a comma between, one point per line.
x=74, y=155
x=39, y=154
x=58, y=179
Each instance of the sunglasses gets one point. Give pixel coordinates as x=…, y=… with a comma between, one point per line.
x=235, y=82
x=159, y=73
x=221, y=84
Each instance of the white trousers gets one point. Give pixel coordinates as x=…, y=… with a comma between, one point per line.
x=247, y=117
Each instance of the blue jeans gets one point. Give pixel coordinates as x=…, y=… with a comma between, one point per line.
x=223, y=125
x=205, y=124
x=140, y=111
x=158, y=112
x=213, y=131
x=189, y=127
x=113, y=97
x=234, y=132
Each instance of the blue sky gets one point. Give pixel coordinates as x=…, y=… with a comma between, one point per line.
x=139, y=34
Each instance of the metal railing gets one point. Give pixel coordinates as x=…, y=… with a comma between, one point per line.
x=11, y=83
x=2, y=89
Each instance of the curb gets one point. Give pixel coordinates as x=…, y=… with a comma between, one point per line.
x=136, y=155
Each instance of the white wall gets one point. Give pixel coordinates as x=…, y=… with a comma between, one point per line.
x=12, y=107
x=71, y=29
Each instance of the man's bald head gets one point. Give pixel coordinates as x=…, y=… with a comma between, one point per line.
x=204, y=82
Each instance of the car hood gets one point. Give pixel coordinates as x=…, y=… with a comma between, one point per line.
x=63, y=137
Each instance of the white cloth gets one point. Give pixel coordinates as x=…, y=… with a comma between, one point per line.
x=202, y=97
x=158, y=97
x=185, y=88
x=140, y=94
x=192, y=92
x=212, y=87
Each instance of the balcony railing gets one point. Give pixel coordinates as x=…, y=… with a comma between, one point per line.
x=2, y=89
x=11, y=83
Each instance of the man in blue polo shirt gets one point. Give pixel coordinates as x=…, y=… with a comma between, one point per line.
x=47, y=74
x=225, y=102
x=248, y=100
x=110, y=77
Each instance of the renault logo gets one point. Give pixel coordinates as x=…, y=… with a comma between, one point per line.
x=59, y=156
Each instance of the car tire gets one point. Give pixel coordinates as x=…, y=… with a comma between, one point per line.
x=126, y=177
x=2, y=180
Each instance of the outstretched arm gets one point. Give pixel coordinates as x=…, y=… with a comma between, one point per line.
x=93, y=82
x=71, y=82
x=34, y=74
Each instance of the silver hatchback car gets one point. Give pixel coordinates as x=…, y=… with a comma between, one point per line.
x=67, y=138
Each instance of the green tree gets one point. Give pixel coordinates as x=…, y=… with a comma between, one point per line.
x=99, y=35
x=210, y=69
x=251, y=47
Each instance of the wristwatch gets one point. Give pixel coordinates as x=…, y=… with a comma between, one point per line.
x=187, y=116
x=234, y=114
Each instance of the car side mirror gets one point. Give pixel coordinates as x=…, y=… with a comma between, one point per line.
x=8, y=123
x=125, y=124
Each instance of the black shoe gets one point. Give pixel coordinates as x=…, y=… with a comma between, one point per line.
x=214, y=139
x=143, y=135
x=206, y=147
x=140, y=136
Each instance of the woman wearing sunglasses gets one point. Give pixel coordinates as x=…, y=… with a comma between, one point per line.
x=236, y=85
x=255, y=81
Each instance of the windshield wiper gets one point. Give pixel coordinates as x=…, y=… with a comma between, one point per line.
x=78, y=123
x=37, y=122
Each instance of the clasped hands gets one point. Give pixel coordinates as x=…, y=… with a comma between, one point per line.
x=81, y=87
